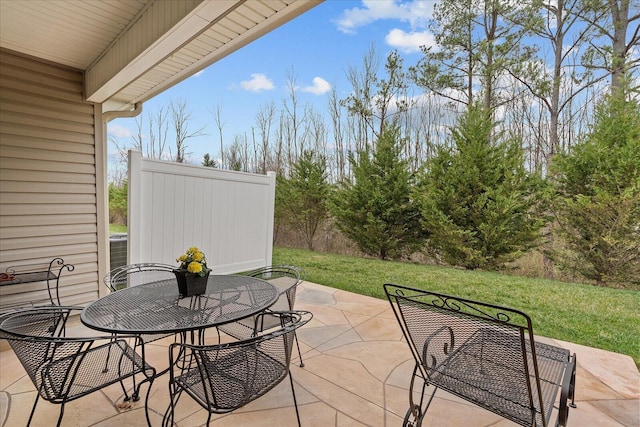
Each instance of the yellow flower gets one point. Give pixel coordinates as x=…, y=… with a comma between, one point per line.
x=193, y=261
x=194, y=267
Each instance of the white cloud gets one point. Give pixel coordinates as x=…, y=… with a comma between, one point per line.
x=409, y=42
x=118, y=131
x=415, y=12
x=257, y=83
x=319, y=87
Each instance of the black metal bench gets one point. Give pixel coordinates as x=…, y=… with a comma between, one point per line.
x=39, y=272
x=484, y=354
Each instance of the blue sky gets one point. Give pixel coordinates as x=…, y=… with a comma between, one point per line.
x=317, y=48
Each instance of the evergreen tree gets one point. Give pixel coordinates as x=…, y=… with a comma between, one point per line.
x=207, y=161
x=477, y=201
x=302, y=199
x=280, y=214
x=597, y=204
x=118, y=203
x=376, y=210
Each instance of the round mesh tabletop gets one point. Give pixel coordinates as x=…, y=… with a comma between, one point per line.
x=157, y=307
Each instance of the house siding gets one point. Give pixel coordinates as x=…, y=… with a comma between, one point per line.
x=48, y=182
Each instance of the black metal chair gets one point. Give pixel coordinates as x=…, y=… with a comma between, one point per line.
x=224, y=377
x=286, y=278
x=64, y=368
x=130, y=275
x=483, y=353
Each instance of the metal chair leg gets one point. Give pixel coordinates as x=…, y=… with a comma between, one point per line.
x=416, y=412
x=295, y=401
x=295, y=337
x=33, y=408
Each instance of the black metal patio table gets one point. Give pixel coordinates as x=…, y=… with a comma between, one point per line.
x=158, y=308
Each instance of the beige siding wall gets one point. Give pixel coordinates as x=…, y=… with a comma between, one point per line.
x=48, y=197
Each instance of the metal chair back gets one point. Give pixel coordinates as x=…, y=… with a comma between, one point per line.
x=130, y=275
x=66, y=368
x=286, y=278
x=224, y=377
x=483, y=353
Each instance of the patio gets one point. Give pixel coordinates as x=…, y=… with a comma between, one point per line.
x=356, y=373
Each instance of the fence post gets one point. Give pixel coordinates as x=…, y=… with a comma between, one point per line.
x=270, y=216
x=134, y=196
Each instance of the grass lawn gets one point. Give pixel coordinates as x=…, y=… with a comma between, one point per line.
x=583, y=314
x=116, y=228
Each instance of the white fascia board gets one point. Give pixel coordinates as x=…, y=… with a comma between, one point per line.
x=293, y=10
x=161, y=30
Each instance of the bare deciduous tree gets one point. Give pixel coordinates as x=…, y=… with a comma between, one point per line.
x=291, y=121
x=264, y=122
x=217, y=117
x=338, y=135
x=181, y=118
x=360, y=103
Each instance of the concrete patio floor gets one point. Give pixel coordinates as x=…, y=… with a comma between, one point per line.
x=357, y=372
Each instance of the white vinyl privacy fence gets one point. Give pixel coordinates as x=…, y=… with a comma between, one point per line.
x=227, y=215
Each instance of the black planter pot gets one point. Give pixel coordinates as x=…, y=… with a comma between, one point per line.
x=190, y=284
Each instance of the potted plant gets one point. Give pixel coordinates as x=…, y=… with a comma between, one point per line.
x=192, y=274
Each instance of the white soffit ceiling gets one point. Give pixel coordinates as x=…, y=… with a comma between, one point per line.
x=71, y=33
x=131, y=50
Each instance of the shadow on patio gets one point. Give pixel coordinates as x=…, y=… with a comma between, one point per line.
x=357, y=372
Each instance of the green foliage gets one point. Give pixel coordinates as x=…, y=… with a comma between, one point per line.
x=117, y=229
x=597, y=204
x=376, y=102
x=376, y=210
x=478, y=202
x=280, y=214
x=207, y=161
x=118, y=203
x=302, y=199
x=477, y=41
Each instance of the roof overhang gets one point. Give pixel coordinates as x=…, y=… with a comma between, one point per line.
x=131, y=51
